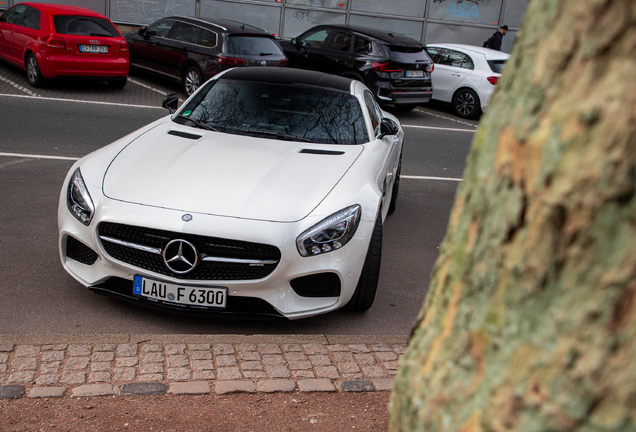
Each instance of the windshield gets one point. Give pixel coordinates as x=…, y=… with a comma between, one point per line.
x=275, y=111
x=251, y=45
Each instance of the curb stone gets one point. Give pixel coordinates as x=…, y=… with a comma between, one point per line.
x=131, y=365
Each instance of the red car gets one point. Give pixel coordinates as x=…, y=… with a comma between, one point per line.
x=55, y=41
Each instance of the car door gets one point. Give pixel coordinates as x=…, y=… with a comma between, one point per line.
x=146, y=52
x=178, y=47
x=451, y=70
x=337, y=56
x=8, y=26
x=27, y=31
x=306, y=52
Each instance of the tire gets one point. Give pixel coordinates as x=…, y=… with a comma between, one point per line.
x=34, y=74
x=117, y=83
x=405, y=107
x=192, y=80
x=364, y=294
x=466, y=104
x=396, y=188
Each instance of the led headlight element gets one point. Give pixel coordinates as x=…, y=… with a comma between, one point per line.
x=331, y=233
x=78, y=199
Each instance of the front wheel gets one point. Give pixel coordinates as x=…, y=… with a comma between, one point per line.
x=192, y=79
x=466, y=104
x=364, y=295
x=34, y=74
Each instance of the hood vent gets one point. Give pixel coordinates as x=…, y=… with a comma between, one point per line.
x=184, y=134
x=322, y=152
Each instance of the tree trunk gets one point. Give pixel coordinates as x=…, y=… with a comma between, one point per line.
x=530, y=320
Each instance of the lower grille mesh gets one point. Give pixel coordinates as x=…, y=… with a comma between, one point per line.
x=79, y=252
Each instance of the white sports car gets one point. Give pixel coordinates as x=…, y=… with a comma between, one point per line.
x=265, y=193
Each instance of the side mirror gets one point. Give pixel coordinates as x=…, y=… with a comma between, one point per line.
x=171, y=102
x=142, y=30
x=388, y=127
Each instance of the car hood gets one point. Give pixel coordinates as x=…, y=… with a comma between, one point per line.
x=192, y=170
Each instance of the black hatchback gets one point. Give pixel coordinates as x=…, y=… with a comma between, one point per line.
x=193, y=50
x=396, y=68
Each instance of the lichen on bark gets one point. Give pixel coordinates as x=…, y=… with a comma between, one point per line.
x=530, y=319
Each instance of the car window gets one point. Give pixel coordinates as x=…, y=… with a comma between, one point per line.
x=497, y=66
x=31, y=19
x=84, y=26
x=207, y=38
x=362, y=45
x=432, y=52
x=184, y=32
x=455, y=59
x=252, y=45
x=160, y=29
x=13, y=15
x=340, y=41
x=369, y=100
x=316, y=39
x=278, y=111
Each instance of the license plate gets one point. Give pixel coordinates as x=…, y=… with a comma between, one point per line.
x=100, y=49
x=414, y=73
x=180, y=295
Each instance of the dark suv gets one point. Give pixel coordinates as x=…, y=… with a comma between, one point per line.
x=193, y=50
x=396, y=68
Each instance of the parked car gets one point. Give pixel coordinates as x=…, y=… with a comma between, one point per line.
x=465, y=76
x=265, y=193
x=396, y=68
x=55, y=41
x=192, y=50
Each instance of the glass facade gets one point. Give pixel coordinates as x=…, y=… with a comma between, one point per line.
x=459, y=21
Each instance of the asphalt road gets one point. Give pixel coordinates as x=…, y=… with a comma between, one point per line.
x=40, y=134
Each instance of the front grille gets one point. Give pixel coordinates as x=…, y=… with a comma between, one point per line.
x=317, y=285
x=235, y=305
x=79, y=252
x=209, y=246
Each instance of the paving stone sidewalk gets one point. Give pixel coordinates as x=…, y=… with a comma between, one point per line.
x=152, y=366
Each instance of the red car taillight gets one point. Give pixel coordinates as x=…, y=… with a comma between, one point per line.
x=384, y=67
x=284, y=62
x=232, y=61
x=493, y=79
x=123, y=46
x=55, y=42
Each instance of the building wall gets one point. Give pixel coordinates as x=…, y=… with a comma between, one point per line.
x=428, y=21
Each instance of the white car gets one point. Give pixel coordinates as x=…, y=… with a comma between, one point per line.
x=265, y=193
x=465, y=76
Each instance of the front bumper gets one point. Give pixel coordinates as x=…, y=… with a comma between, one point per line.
x=272, y=295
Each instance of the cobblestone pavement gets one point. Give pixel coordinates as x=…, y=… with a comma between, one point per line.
x=56, y=366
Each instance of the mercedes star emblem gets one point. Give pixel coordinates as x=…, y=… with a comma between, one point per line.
x=180, y=256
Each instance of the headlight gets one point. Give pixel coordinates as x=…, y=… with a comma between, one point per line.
x=331, y=233
x=78, y=199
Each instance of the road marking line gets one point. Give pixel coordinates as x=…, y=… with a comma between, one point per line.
x=32, y=156
x=82, y=101
x=147, y=86
x=18, y=86
x=440, y=128
x=430, y=178
x=446, y=118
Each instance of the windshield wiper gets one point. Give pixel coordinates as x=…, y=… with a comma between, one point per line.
x=199, y=124
x=278, y=135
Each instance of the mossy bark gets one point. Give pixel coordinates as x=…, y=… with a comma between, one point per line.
x=530, y=319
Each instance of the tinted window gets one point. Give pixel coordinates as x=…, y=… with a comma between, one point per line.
x=184, y=32
x=207, y=38
x=84, y=26
x=340, y=41
x=373, y=113
x=315, y=39
x=455, y=59
x=13, y=15
x=31, y=19
x=160, y=29
x=497, y=66
x=362, y=45
x=266, y=110
x=252, y=45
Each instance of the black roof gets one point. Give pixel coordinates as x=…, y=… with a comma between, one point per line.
x=391, y=38
x=224, y=25
x=282, y=75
